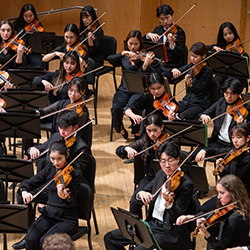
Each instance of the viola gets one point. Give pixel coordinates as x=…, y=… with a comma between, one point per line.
x=71, y=76
x=64, y=177
x=173, y=183
x=216, y=217
x=14, y=45
x=240, y=111
x=161, y=139
x=165, y=105
x=235, y=47
x=228, y=159
x=34, y=26
x=78, y=108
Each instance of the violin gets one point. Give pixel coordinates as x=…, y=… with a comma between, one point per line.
x=235, y=47
x=161, y=139
x=240, y=111
x=71, y=76
x=216, y=217
x=78, y=108
x=64, y=177
x=70, y=141
x=165, y=104
x=141, y=56
x=79, y=48
x=91, y=28
x=34, y=26
x=195, y=71
x=2, y=105
x=228, y=159
x=4, y=77
x=15, y=43
x=173, y=183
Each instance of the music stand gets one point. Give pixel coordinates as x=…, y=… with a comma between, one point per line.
x=20, y=125
x=14, y=170
x=44, y=42
x=24, y=99
x=13, y=219
x=158, y=49
x=197, y=134
x=24, y=77
x=229, y=64
x=136, y=230
x=245, y=96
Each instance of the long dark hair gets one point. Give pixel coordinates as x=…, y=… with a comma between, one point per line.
x=11, y=26
x=199, y=48
x=87, y=10
x=74, y=29
x=134, y=33
x=26, y=7
x=61, y=78
x=221, y=42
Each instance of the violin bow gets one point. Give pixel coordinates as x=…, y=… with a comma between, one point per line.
x=174, y=23
x=168, y=179
x=83, y=126
x=45, y=186
x=208, y=213
x=93, y=22
x=85, y=74
x=66, y=108
x=233, y=109
x=161, y=142
x=75, y=48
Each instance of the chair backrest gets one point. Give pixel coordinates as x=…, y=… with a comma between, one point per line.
x=85, y=202
x=90, y=77
x=90, y=172
x=109, y=46
x=215, y=91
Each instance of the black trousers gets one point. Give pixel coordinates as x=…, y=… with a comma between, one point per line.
x=189, y=112
x=120, y=100
x=45, y=226
x=114, y=240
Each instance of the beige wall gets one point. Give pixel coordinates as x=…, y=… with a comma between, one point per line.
x=201, y=24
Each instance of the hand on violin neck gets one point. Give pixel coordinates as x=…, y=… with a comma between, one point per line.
x=172, y=115
x=203, y=229
x=218, y=161
x=168, y=197
x=188, y=80
x=171, y=38
x=62, y=192
x=240, y=119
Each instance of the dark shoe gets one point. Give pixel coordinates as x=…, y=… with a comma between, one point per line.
x=20, y=244
x=125, y=135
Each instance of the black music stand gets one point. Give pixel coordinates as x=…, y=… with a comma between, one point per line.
x=245, y=96
x=229, y=64
x=44, y=42
x=20, y=125
x=24, y=99
x=157, y=48
x=136, y=230
x=13, y=219
x=197, y=134
x=14, y=170
x=23, y=78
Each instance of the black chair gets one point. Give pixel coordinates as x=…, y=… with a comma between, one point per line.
x=109, y=46
x=215, y=92
x=90, y=177
x=85, y=204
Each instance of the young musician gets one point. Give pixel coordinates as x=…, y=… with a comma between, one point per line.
x=173, y=40
x=56, y=83
x=71, y=40
x=220, y=138
x=60, y=215
x=28, y=21
x=232, y=229
x=132, y=44
x=227, y=37
x=154, y=132
x=156, y=91
x=94, y=42
x=163, y=211
x=76, y=90
x=6, y=34
x=67, y=122
x=198, y=82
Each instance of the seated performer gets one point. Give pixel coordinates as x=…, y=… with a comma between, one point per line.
x=232, y=229
x=166, y=206
x=232, y=89
x=60, y=215
x=174, y=40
